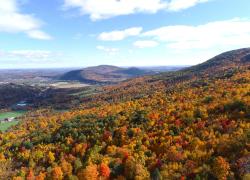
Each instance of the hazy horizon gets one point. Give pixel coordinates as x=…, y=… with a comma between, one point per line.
x=72, y=68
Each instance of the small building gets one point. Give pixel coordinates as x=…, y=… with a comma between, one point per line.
x=10, y=119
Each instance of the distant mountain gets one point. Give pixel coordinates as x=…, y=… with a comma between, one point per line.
x=104, y=74
x=164, y=68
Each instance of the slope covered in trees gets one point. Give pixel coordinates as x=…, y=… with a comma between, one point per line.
x=191, y=124
x=104, y=74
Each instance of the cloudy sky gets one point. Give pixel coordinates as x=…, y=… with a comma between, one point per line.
x=79, y=33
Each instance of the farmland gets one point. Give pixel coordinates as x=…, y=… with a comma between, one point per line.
x=6, y=125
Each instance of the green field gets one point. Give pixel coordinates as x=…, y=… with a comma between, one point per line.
x=6, y=125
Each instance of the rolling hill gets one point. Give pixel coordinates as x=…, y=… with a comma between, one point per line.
x=189, y=124
x=220, y=65
x=104, y=74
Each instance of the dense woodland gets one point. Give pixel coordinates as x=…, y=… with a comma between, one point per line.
x=191, y=124
x=37, y=97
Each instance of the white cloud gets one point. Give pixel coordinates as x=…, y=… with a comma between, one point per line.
x=109, y=50
x=145, y=44
x=178, y=5
x=119, y=35
x=12, y=21
x=37, y=34
x=110, y=8
x=28, y=54
x=234, y=32
x=31, y=54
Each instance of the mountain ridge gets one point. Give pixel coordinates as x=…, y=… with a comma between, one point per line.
x=104, y=74
x=230, y=58
x=219, y=64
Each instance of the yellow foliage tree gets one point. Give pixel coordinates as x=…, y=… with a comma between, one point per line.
x=89, y=173
x=221, y=168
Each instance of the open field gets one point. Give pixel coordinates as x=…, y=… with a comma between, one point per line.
x=6, y=125
x=11, y=114
x=67, y=85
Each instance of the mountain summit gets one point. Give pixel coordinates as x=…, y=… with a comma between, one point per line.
x=103, y=74
x=225, y=60
x=222, y=65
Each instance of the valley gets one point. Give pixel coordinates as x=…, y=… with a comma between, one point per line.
x=191, y=123
x=59, y=89
x=43, y=87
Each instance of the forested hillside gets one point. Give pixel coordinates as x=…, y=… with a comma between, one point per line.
x=189, y=124
x=104, y=74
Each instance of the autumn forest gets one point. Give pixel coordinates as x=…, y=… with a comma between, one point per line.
x=183, y=125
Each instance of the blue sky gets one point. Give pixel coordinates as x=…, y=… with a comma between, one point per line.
x=79, y=33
